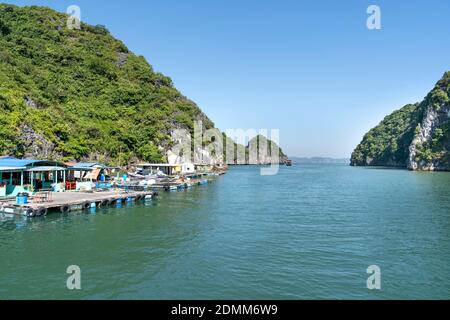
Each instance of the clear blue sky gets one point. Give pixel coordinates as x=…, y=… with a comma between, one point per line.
x=310, y=68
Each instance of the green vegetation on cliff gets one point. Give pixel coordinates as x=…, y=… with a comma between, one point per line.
x=436, y=149
x=81, y=94
x=416, y=136
x=388, y=143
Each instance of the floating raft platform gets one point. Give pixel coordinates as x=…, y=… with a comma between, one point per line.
x=174, y=186
x=72, y=201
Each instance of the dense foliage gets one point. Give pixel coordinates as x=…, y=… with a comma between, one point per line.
x=438, y=98
x=80, y=94
x=388, y=143
x=437, y=149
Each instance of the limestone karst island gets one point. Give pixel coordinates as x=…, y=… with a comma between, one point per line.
x=416, y=137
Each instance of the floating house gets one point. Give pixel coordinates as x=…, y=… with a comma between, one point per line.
x=18, y=176
x=165, y=169
x=86, y=171
x=82, y=174
x=79, y=176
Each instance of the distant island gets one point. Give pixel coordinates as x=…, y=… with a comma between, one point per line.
x=416, y=137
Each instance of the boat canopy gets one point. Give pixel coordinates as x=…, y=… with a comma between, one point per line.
x=88, y=165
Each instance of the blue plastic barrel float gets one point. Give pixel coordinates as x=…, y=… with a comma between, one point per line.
x=22, y=199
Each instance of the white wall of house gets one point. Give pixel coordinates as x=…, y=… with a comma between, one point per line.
x=187, y=168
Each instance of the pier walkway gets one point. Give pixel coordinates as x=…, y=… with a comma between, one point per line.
x=70, y=201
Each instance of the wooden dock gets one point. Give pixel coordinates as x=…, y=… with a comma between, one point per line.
x=71, y=201
x=121, y=194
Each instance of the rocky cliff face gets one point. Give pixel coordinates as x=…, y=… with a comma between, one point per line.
x=259, y=151
x=262, y=151
x=434, y=119
x=415, y=137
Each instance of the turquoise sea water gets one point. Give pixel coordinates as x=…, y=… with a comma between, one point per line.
x=309, y=232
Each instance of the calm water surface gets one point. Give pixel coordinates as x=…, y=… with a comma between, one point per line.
x=309, y=232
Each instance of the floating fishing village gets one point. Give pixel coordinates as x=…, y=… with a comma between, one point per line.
x=34, y=188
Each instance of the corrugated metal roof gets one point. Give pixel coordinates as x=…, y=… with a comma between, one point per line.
x=84, y=165
x=20, y=163
x=11, y=168
x=44, y=169
x=15, y=163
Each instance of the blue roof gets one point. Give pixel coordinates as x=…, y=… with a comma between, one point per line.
x=12, y=162
x=20, y=163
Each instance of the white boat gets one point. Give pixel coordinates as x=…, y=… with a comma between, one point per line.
x=147, y=182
